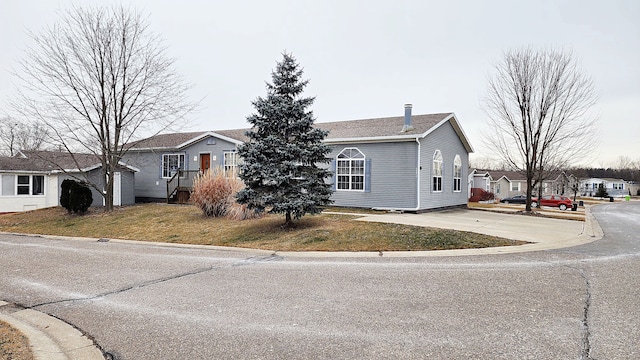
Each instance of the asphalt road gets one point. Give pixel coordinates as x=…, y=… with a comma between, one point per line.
x=142, y=301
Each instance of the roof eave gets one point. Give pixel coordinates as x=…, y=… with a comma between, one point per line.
x=153, y=148
x=373, y=139
x=205, y=135
x=40, y=172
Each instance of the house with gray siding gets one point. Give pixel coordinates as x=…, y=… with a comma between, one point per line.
x=504, y=183
x=33, y=179
x=406, y=163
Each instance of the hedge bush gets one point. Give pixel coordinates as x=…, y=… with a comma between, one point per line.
x=75, y=197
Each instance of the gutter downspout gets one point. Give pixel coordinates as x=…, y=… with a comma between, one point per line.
x=418, y=177
x=417, y=187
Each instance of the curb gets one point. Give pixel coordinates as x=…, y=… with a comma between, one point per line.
x=50, y=338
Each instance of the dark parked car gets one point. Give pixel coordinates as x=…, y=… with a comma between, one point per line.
x=562, y=202
x=518, y=199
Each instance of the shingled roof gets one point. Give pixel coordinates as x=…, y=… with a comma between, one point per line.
x=510, y=175
x=378, y=129
x=381, y=127
x=165, y=140
x=50, y=161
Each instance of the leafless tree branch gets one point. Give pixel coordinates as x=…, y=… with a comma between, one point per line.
x=537, y=105
x=17, y=135
x=96, y=80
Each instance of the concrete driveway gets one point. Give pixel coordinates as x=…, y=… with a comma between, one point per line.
x=543, y=233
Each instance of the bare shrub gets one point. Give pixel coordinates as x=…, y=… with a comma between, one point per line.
x=215, y=194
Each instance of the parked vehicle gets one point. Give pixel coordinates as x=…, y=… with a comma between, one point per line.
x=561, y=202
x=518, y=199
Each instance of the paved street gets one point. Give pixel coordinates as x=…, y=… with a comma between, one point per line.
x=147, y=301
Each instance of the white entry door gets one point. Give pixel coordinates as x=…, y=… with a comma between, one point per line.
x=117, y=189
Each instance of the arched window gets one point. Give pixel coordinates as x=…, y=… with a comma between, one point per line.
x=457, y=174
x=350, y=170
x=436, y=171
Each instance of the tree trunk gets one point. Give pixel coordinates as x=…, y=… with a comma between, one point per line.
x=529, y=193
x=288, y=222
x=108, y=194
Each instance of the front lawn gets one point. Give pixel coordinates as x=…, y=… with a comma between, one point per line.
x=185, y=224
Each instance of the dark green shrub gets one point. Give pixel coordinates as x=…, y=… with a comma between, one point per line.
x=602, y=192
x=75, y=197
x=64, y=193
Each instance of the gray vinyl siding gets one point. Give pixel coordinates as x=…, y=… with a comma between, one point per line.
x=149, y=182
x=505, y=189
x=393, y=176
x=127, y=183
x=94, y=176
x=8, y=184
x=215, y=150
x=445, y=139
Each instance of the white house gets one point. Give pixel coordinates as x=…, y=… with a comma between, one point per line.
x=32, y=179
x=614, y=187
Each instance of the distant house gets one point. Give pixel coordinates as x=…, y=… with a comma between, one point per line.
x=504, y=184
x=614, y=187
x=32, y=179
x=407, y=163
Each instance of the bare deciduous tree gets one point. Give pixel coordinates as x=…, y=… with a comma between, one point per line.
x=16, y=135
x=537, y=105
x=96, y=79
x=624, y=162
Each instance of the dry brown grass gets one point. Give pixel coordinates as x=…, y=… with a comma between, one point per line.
x=186, y=224
x=13, y=345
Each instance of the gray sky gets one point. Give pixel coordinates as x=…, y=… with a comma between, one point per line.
x=366, y=59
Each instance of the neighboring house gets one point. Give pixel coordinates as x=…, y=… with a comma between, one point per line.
x=504, y=184
x=479, y=179
x=410, y=163
x=614, y=187
x=32, y=179
x=507, y=183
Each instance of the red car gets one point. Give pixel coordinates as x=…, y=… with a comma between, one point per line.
x=561, y=202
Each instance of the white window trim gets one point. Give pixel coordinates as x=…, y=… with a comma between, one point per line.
x=30, y=193
x=457, y=165
x=236, y=161
x=515, y=183
x=433, y=171
x=184, y=157
x=350, y=175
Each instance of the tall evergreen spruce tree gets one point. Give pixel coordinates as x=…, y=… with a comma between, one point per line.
x=280, y=168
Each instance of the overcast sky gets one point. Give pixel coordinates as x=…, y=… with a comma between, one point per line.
x=365, y=59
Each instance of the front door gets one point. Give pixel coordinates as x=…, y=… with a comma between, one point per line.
x=205, y=162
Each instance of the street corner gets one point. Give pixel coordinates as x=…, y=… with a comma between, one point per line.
x=49, y=338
